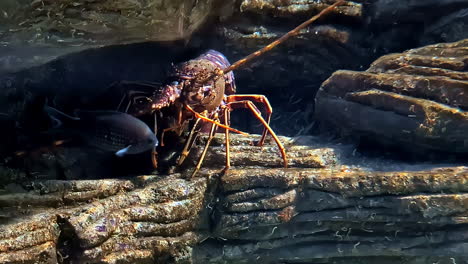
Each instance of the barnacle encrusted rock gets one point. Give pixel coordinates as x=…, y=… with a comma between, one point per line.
x=326, y=215
x=318, y=210
x=103, y=220
x=419, y=98
x=32, y=240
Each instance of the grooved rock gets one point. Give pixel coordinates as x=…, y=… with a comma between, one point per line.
x=418, y=98
x=317, y=210
x=316, y=215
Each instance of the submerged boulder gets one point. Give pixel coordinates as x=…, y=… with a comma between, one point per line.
x=34, y=32
x=417, y=99
x=324, y=209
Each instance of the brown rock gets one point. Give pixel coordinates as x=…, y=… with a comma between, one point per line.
x=288, y=8
x=34, y=32
x=418, y=98
x=311, y=212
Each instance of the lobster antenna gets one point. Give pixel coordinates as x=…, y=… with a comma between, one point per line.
x=275, y=43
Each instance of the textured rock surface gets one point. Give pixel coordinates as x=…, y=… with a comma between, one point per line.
x=107, y=220
x=288, y=8
x=307, y=215
x=418, y=98
x=37, y=31
x=315, y=211
x=318, y=210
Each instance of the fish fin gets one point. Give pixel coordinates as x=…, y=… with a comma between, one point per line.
x=123, y=151
x=56, y=123
x=58, y=117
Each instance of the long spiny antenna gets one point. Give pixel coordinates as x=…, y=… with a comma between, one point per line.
x=270, y=46
x=275, y=43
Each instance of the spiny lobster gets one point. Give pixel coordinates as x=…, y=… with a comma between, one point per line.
x=203, y=88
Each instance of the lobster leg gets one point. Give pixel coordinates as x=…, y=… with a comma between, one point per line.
x=227, y=116
x=175, y=128
x=129, y=98
x=132, y=91
x=194, y=133
x=249, y=105
x=259, y=99
x=161, y=142
x=154, y=153
x=154, y=157
x=197, y=115
x=202, y=157
x=189, y=143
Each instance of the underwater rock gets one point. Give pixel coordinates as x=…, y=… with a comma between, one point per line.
x=316, y=215
x=242, y=153
x=74, y=162
x=416, y=11
x=311, y=212
x=396, y=26
x=295, y=7
x=449, y=28
x=141, y=218
x=33, y=240
x=34, y=32
x=107, y=220
x=417, y=99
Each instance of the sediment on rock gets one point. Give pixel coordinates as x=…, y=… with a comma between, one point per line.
x=418, y=98
x=60, y=27
x=305, y=215
x=315, y=210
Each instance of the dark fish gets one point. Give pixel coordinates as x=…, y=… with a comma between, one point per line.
x=107, y=130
